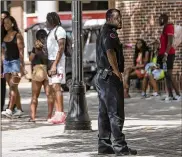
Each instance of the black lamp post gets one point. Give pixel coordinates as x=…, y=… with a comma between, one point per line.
x=77, y=118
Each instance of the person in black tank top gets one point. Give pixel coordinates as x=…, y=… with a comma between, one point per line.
x=38, y=58
x=9, y=46
x=13, y=63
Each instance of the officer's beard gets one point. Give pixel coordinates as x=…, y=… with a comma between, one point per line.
x=113, y=25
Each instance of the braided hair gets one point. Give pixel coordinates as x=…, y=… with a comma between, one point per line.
x=53, y=19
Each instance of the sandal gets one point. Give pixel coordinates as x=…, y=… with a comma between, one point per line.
x=31, y=120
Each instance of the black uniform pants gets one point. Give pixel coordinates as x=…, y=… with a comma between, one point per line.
x=111, y=112
x=3, y=92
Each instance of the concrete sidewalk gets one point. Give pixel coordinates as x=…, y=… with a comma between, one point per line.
x=152, y=127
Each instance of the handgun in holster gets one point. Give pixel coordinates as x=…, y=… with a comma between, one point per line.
x=106, y=73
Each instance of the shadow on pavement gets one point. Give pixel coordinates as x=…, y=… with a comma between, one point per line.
x=152, y=127
x=162, y=142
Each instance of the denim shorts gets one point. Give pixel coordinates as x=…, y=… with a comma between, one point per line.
x=11, y=66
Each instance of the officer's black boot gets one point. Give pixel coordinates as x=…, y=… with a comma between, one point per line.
x=126, y=151
x=105, y=147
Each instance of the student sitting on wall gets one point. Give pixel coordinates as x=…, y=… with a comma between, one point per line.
x=153, y=71
x=141, y=58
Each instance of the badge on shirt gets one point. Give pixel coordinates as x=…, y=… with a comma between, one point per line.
x=112, y=35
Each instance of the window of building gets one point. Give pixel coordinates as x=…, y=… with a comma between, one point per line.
x=96, y=5
x=30, y=7
x=5, y=5
x=2, y=6
x=87, y=5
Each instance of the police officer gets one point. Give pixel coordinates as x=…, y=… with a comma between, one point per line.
x=109, y=85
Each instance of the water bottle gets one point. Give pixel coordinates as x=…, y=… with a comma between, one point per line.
x=164, y=66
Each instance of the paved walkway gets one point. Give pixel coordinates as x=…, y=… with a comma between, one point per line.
x=152, y=127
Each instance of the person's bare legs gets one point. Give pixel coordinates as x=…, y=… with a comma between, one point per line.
x=13, y=81
x=58, y=97
x=127, y=77
x=129, y=73
x=50, y=98
x=59, y=116
x=36, y=87
x=168, y=78
x=173, y=82
x=18, y=97
x=18, y=100
x=153, y=82
x=145, y=84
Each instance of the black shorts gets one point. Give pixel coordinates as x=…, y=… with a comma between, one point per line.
x=170, y=61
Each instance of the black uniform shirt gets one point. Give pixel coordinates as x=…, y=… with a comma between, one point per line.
x=108, y=39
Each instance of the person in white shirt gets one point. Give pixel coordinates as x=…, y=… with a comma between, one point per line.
x=56, y=63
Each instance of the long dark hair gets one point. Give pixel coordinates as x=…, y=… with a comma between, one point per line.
x=3, y=31
x=15, y=26
x=53, y=19
x=144, y=49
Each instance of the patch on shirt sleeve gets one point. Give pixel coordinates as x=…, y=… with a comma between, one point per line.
x=112, y=35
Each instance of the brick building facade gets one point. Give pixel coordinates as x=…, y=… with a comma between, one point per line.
x=140, y=20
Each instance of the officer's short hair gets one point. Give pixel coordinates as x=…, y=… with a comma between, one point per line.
x=110, y=12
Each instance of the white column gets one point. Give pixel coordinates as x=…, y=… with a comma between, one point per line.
x=44, y=7
x=5, y=6
x=25, y=34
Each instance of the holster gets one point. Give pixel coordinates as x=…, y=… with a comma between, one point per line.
x=105, y=73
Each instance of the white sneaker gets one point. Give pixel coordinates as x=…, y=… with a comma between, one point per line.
x=177, y=98
x=58, y=118
x=156, y=95
x=7, y=113
x=18, y=113
x=168, y=99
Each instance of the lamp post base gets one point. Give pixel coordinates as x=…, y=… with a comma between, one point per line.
x=72, y=125
x=77, y=117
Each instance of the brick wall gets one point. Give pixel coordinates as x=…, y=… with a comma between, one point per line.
x=140, y=20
